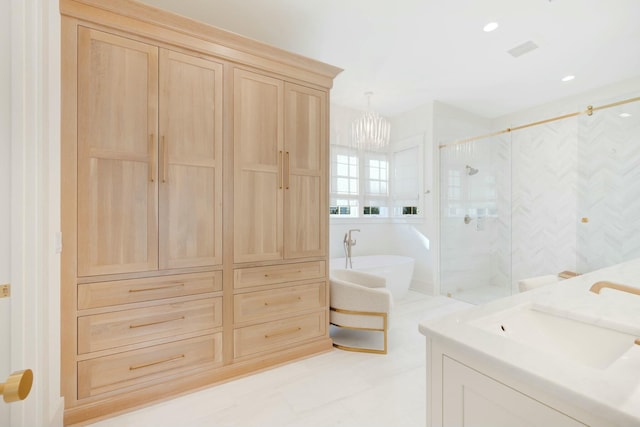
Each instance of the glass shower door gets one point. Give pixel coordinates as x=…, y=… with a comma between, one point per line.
x=608, y=187
x=475, y=220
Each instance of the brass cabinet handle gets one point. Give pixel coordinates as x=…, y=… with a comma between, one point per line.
x=157, y=288
x=284, y=301
x=142, y=325
x=285, y=332
x=152, y=160
x=17, y=387
x=146, y=365
x=280, y=166
x=267, y=275
x=164, y=160
x=288, y=164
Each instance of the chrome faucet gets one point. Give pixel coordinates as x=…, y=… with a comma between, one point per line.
x=348, y=243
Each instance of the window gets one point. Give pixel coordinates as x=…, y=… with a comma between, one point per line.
x=378, y=175
x=377, y=185
x=406, y=182
x=344, y=182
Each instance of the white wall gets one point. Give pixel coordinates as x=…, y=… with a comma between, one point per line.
x=35, y=207
x=5, y=193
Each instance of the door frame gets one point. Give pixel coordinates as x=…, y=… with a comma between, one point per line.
x=35, y=208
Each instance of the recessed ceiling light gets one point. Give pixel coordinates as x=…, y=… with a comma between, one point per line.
x=624, y=115
x=490, y=27
x=568, y=78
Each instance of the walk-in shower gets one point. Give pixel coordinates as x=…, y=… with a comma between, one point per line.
x=560, y=194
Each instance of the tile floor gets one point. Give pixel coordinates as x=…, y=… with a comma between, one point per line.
x=481, y=294
x=338, y=388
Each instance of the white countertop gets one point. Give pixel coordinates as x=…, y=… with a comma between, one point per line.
x=613, y=391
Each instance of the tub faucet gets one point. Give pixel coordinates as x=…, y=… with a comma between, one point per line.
x=348, y=244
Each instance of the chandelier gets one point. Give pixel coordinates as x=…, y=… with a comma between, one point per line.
x=370, y=132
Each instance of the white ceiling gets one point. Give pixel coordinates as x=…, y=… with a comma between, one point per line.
x=410, y=52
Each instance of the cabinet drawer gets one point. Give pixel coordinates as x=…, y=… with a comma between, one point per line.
x=105, y=374
x=278, y=302
x=103, y=294
x=280, y=333
x=259, y=276
x=109, y=330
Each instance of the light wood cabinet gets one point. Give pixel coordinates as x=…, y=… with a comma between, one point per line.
x=120, y=328
x=143, y=140
x=305, y=201
x=117, y=156
x=258, y=148
x=190, y=161
x=194, y=206
x=127, y=371
x=280, y=147
x=272, y=336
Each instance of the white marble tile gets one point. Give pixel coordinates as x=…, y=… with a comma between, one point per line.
x=338, y=388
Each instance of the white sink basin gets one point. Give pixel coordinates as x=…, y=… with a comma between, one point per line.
x=585, y=343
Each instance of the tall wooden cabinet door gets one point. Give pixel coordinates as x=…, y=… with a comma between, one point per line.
x=305, y=209
x=258, y=157
x=190, y=163
x=117, y=154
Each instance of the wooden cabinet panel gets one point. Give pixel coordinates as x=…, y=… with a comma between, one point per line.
x=265, y=305
x=190, y=164
x=115, y=329
x=104, y=294
x=272, y=274
x=271, y=336
x=117, y=153
x=258, y=177
x=280, y=157
x=306, y=208
x=134, y=368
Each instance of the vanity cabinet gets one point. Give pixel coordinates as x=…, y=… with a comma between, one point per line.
x=468, y=388
x=194, y=206
x=473, y=399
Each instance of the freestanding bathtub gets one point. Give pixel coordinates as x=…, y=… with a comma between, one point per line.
x=397, y=270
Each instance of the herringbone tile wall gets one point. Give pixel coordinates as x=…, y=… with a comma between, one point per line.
x=609, y=187
x=544, y=199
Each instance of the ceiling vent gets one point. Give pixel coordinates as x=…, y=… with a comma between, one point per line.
x=520, y=50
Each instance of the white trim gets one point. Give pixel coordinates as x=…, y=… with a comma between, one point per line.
x=35, y=206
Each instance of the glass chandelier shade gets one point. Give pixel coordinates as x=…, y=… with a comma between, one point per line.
x=371, y=132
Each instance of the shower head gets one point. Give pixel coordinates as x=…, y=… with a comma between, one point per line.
x=470, y=170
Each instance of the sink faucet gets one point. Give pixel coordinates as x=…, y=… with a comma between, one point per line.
x=598, y=286
x=348, y=244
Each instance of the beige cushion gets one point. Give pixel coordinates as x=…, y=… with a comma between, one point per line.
x=358, y=291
